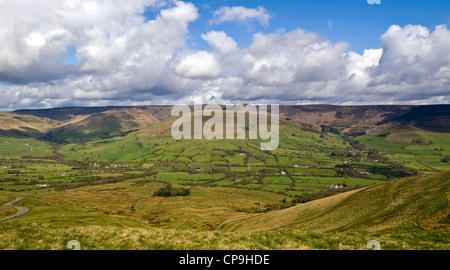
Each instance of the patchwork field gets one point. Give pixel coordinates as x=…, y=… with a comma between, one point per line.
x=141, y=189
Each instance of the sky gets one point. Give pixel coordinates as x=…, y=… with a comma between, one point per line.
x=60, y=53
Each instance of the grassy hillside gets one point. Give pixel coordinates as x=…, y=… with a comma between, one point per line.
x=417, y=201
x=105, y=124
x=339, y=178
x=79, y=124
x=408, y=213
x=11, y=148
x=13, y=124
x=348, y=120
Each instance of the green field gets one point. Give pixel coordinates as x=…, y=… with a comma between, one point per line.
x=317, y=190
x=419, y=150
x=126, y=216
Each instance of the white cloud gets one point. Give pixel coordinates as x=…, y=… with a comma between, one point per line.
x=35, y=34
x=220, y=42
x=412, y=54
x=285, y=58
x=198, y=65
x=358, y=66
x=118, y=51
x=412, y=67
x=415, y=64
x=241, y=14
x=125, y=59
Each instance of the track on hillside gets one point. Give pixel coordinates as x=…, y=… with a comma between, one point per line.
x=22, y=210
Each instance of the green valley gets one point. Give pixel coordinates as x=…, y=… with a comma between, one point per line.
x=340, y=177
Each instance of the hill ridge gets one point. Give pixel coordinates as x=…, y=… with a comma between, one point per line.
x=117, y=120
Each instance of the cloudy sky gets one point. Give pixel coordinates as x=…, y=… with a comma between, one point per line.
x=58, y=53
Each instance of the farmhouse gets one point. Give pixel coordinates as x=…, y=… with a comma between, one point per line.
x=337, y=186
x=94, y=165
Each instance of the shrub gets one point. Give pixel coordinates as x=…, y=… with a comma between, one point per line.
x=169, y=191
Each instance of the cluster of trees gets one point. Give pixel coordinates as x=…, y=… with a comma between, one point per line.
x=170, y=191
x=420, y=140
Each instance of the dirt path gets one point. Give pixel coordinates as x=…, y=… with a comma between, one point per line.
x=22, y=210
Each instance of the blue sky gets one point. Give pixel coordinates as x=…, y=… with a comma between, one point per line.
x=57, y=53
x=354, y=21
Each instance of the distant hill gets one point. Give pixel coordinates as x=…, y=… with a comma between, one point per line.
x=75, y=124
x=357, y=120
x=78, y=124
x=107, y=123
x=432, y=118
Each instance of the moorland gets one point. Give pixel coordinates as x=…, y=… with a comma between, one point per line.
x=115, y=178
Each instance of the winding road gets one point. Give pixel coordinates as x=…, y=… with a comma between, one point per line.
x=22, y=210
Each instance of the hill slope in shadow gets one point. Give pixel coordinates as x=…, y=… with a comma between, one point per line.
x=74, y=124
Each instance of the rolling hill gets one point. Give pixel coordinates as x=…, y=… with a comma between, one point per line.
x=341, y=176
x=373, y=120
x=79, y=124
x=96, y=122
x=411, y=213
x=422, y=201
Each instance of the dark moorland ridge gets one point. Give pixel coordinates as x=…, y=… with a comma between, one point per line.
x=57, y=123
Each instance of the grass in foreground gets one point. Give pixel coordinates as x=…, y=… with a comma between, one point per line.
x=410, y=213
